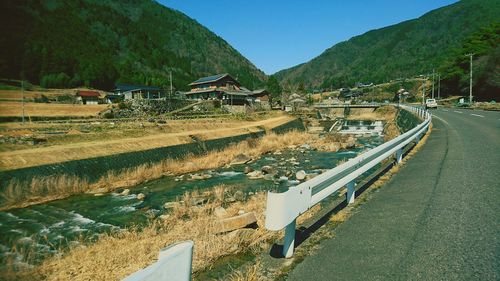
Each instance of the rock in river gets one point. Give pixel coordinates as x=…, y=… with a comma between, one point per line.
x=248, y=169
x=255, y=175
x=300, y=175
x=141, y=196
x=241, y=159
x=268, y=170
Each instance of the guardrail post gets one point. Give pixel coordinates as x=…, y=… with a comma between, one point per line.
x=399, y=155
x=289, y=241
x=174, y=263
x=350, y=192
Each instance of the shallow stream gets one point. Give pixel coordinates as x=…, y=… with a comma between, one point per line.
x=42, y=230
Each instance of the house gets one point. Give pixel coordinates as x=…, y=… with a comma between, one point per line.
x=138, y=92
x=114, y=98
x=87, y=97
x=222, y=87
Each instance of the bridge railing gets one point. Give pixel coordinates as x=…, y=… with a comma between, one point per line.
x=282, y=209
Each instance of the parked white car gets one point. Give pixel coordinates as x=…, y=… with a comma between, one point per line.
x=431, y=103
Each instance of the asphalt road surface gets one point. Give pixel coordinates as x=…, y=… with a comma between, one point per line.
x=437, y=219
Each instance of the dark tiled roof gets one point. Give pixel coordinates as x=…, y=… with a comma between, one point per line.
x=209, y=79
x=129, y=87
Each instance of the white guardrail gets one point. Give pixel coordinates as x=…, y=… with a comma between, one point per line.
x=174, y=262
x=282, y=209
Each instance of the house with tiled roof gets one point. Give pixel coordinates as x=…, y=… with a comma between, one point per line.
x=87, y=97
x=137, y=92
x=225, y=88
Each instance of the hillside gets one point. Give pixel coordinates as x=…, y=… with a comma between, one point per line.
x=402, y=50
x=70, y=43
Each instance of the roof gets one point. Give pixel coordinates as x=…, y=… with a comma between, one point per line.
x=88, y=94
x=129, y=87
x=259, y=91
x=209, y=79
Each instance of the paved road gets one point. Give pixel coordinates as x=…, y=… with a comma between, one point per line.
x=437, y=219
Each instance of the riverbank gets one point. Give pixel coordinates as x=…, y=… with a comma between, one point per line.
x=117, y=255
x=158, y=155
x=43, y=189
x=277, y=161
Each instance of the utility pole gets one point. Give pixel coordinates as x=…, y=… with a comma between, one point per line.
x=433, y=83
x=470, y=86
x=170, y=84
x=423, y=91
x=22, y=90
x=439, y=86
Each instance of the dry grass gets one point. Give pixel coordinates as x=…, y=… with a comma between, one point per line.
x=50, y=109
x=333, y=142
x=43, y=189
x=116, y=256
x=50, y=93
x=251, y=273
x=102, y=147
x=386, y=113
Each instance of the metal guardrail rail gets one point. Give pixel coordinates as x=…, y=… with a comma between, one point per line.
x=282, y=209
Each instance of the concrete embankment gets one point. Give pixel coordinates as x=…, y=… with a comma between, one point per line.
x=91, y=169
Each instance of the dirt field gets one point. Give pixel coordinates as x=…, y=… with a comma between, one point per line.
x=16, y=95
x=11, y=108
x=101, y=146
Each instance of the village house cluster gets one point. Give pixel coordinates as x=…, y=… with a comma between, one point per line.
x=220, y=87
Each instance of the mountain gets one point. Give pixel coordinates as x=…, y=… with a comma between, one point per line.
x=484, y=44
x=406, y=49
x=68, y=43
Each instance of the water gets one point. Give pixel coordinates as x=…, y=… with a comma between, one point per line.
x=46, y=228
x=358, y=127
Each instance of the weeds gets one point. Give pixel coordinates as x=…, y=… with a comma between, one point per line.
x=20, y=193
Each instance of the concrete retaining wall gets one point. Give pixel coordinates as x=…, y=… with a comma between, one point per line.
x=406, y=120
x=94, y=168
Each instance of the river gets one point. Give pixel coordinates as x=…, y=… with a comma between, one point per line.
x=30, y=234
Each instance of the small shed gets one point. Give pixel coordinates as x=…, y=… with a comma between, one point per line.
x=88, y=97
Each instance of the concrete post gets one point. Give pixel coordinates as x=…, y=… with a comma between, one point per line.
x=399, y=155
x=417, y=139
x=350, y=192
x=174, y=263
x=289, y=241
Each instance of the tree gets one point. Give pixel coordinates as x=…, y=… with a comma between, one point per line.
x=274, y=88
x=302, y=88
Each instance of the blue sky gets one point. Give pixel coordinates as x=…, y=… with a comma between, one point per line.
x=277, y=34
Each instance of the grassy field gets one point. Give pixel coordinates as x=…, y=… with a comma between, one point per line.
x=14, y=109
x=78, y=146
x=17, y=94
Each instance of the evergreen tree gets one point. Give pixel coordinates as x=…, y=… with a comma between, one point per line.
x=274, y=88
